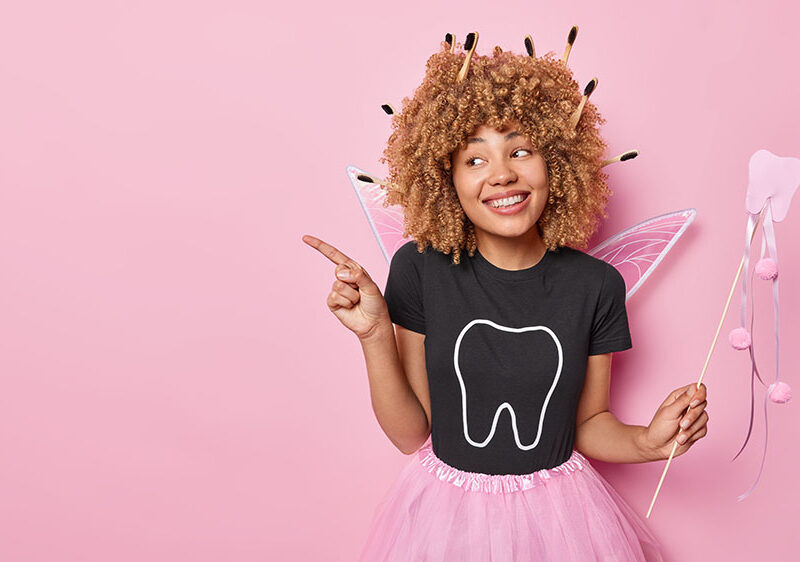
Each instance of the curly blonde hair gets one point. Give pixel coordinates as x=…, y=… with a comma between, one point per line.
x=540, y=95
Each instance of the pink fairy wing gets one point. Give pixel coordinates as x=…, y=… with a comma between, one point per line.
x=636, y=251
x=386, y=222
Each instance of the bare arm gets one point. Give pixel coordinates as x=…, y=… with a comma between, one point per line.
x=398, y=381
x=605, y=438
x=599, y=434
x=602, y=436
x=399, y=394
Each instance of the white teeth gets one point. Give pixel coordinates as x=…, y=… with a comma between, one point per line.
x=507, y=201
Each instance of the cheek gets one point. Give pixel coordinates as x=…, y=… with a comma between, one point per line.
x=467, y=186
x=538, y=175
x=466, y=201
x=464, y=189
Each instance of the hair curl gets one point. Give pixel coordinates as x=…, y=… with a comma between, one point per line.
x=538, y=93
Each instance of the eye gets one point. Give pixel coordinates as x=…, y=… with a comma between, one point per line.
x=470, y=160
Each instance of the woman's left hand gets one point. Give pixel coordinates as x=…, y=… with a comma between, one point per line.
x=669, y=422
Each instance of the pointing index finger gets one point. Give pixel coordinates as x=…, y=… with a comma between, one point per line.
x=326, y=249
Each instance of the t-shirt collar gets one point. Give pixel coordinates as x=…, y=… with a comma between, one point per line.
x=485, y=266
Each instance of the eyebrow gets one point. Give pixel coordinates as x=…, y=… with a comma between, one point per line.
x=510, y=135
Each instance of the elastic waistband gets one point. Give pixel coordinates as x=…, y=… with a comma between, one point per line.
x=494, y=483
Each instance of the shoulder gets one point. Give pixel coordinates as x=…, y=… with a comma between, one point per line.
x=585, y=263
x=596, y=272
x=408, y=260
x=408, y=254
x=408, y=251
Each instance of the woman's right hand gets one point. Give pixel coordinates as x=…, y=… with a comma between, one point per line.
x=354, y=299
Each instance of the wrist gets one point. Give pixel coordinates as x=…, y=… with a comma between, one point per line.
x=378, y=333
x=646, y=450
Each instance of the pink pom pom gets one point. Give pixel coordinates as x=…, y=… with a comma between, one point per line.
x=780, y=392
x=739, y=338
x=767, y=269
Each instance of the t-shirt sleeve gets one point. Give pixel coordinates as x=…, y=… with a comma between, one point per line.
x=610, y=330
x=403, y=292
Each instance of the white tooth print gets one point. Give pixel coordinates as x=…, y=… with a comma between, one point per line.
x=505, y=405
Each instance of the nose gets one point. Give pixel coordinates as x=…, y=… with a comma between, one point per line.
x=501, y=173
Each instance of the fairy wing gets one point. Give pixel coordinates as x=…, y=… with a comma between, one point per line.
x=637, y=250
x=386, y=222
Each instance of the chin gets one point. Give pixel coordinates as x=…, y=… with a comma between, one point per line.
x=510, y=231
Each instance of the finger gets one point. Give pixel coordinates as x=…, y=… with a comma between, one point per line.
x=684, y=401
x=693, y=413
x=699, y=435
x=357, y=276
x=678, y=400
x=346, y=291
x=683, y=448
x=698, y=396
x=699, y=406
x=344, y=274
x=674, y=395
x=326, y=249
x=691, y=441
x=699, y=424
x=335, y=301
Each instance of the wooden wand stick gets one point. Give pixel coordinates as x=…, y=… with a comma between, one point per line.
x=708, y=357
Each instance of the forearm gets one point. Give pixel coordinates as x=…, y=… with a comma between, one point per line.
x=397, y=409
x=605, y=438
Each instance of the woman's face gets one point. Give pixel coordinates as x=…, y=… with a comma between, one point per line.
x=494, y=166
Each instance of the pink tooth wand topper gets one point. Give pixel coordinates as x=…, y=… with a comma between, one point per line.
x=773, y=182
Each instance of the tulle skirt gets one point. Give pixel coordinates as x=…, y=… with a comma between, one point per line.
x=434, y=512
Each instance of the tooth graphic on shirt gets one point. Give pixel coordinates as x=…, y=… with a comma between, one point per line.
x=506, y=405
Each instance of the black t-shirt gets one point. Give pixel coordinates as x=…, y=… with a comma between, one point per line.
x=506, y=351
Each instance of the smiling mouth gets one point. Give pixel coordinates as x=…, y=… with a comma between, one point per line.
x=509, y=205
x=507, y=201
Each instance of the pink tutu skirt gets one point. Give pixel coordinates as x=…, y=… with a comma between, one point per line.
x=437, y=513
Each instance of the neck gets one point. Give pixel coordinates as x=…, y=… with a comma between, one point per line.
x=516, y=253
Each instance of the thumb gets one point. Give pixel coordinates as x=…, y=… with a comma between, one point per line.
x=678, y=401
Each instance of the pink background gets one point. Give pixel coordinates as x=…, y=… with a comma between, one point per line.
x=173, y=384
